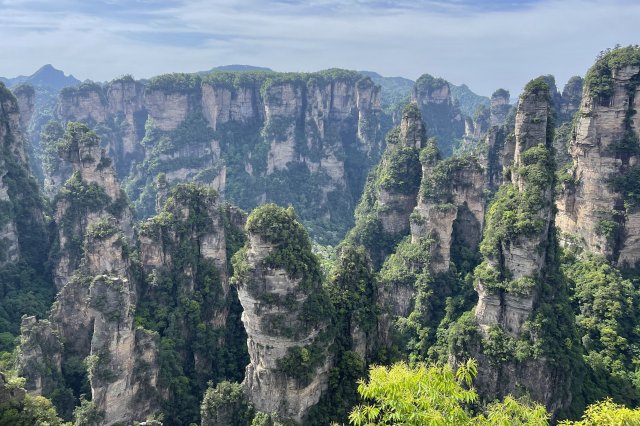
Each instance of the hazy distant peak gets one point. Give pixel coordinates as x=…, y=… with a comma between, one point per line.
x=45, y=76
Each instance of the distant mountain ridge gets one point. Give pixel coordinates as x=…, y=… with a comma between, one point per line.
x=46, y=76
x=236, y=68
x=396, y=92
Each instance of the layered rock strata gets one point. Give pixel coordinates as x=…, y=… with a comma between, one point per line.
x=243, y=134
x=93, y=316
x=442, y=117
x=283, y=316
x=517, y=274
x=597, y=209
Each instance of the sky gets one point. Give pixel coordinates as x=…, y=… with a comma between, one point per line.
x=484, y=44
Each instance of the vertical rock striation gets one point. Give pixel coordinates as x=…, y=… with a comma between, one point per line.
x=285, y=315
x=254, y=137
x=451, y=190
x=442, y=117
x=597, y=208
x=93, y=315
x=518, y=276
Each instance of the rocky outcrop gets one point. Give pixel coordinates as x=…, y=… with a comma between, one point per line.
x=40, y=354
x=396, y=201
x=93, y=316
x=571, y=97
x=284, y=315
x=26, y=97
x=517, y=276
x=452, y=190
x=442, y=117
x=10, y=395
x=499, y=107
x=522, y=257
x=246, y=135
x=597, y=208
x=12, y=151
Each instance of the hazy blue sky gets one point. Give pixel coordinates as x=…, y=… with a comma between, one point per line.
x=486, y=44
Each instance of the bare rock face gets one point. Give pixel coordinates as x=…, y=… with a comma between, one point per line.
x=93, y=314
x=499, y=107
x=517, y=274
x=222, y=104
x=40, y=352
x=26, y=97
x=596, y=208
x=117, y=108
x=12, y=150
x=282, y=316
x=451, y=190
x=571, y=97
x=397, y=201
x=522, y=258
x=442, y=117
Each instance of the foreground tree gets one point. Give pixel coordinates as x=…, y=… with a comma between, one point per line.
x=434, y=395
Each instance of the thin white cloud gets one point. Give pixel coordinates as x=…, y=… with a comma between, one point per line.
x=486, y=49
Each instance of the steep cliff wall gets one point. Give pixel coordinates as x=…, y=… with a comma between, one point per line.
x=94, y=310
x=499, y=107
x=185, y=296
x=254, y=137
x=518, y=277
x=451, y=190
x=442, y=118
x=24, y=240
x=597, y=207
x=13, y=156
x=285, y=315
x=390, y=195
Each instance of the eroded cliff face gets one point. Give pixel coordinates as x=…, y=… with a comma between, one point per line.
x=452, y=190
x=94, y=310
x=284, y=314
x=523, y=257
x=396, y=202
x=250, y=136
x=518, y=268
x=442, y=117
x=13, y=156
x=499, y=107
x=596, y=208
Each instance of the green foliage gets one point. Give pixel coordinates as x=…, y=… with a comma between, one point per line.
x=226, y=404
x=434, y=395
x=441, y=118
x=300, y=363
x=437, y=185
x=514, y=213
x=280, y=226
x=176, y=82
x=606, y=413
x=180, y=307
x=429, y=83
x=609, y=229
x=102, y=229
x=88, y=414
x=400, y=172
x=85, y=89
x=468, y=100
x=25, y=286
x=32, y=410
x=500, y=93
x=599, y=80
x=537, y=86
x=627, y=184
x=607, y=311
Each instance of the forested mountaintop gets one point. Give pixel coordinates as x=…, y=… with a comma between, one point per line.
x=261, y=248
